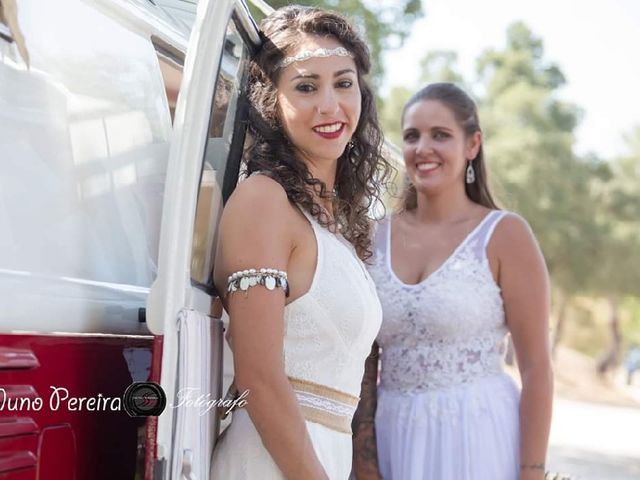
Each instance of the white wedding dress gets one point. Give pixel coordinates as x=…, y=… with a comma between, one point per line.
x=328, y=335
x=446, y=410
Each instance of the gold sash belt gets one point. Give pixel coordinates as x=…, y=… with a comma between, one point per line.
x=319, y=404
x=324, y=405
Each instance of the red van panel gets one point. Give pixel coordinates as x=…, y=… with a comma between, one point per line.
x=61, y=412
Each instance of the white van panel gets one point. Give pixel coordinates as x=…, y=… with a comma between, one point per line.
x=84, y=141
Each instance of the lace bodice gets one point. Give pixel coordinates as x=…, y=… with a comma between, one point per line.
x=449, y=328
x=329, y=330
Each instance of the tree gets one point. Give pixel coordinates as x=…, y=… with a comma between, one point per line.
x=385, y=23
x=441, y=66
x=392, y=110
x=618, y=213
x=530, y=135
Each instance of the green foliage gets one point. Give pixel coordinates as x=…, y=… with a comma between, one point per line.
x=529, y=134
x=391, y=111
x=618, y=214
x=631, y=327
x=584, y=210
x=521, y=61
x=440, y=66
x=583, y=332
x=385, y=23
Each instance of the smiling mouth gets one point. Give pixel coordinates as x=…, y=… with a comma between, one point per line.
x=330, y=130
x=426, y=167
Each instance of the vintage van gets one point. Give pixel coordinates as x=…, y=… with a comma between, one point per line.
x=121, y=133
x=120, y=138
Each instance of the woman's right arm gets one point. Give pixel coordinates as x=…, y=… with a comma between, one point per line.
x=365, y=451
x=255, y=233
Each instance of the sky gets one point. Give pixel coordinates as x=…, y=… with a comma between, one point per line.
x=596, y=43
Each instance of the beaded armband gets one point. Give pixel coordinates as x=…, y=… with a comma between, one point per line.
x=269, y=278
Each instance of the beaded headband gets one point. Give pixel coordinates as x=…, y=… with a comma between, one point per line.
x=318, y=53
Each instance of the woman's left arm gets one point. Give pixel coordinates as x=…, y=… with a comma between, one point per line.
x=523, y=278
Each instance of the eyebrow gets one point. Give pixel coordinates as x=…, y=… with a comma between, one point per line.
x=315, y=76
x=437, y=127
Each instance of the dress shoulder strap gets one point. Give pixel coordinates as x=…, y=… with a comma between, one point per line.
x=380, y=235
x=480, y=237
x=314, y=223
x=489, y=225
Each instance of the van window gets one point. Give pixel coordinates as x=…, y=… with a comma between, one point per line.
x=171, y=62
x=222, y=154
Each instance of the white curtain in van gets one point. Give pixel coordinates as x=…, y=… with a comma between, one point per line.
x=198, y=388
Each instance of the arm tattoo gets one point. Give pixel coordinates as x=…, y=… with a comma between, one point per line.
x=365, y=452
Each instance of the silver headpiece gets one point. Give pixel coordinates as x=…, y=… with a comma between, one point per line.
x=318, y=53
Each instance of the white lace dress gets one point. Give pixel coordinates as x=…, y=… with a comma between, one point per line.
x=328, y=335
x=446, y=410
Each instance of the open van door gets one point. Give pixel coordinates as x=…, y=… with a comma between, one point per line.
x=183, y=304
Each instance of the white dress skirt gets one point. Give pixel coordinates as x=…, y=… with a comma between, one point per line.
x=328, y=335
x=446, y=409
x=242, y=455
x=466, y=432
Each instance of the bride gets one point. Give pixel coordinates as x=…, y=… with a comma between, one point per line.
x=303, y=309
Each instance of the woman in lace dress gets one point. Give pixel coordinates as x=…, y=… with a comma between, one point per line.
x=303, y=309
x=454, y=275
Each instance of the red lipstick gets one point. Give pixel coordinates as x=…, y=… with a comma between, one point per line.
x=331, y=135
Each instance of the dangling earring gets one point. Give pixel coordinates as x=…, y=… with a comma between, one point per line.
x=471, y=175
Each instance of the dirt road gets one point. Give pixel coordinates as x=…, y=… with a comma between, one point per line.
x=594, y=441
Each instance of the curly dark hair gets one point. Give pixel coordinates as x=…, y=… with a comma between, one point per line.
x=361, y=172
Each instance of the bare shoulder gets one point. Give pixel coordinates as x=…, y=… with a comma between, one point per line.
x=512, y=227
x=256, y=196
x=260, y=204
x=255, y=229
x=512, y=238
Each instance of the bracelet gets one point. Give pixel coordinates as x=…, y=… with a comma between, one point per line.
x=269, y=278
x=366, y=422
x=532, y=466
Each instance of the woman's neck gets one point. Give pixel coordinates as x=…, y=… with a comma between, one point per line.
x=325, y=172
x=443, y=207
